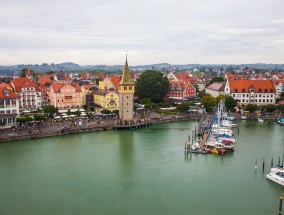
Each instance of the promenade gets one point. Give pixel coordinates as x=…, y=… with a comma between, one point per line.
x=65, y=128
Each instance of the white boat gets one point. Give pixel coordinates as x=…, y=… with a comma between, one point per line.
x=260, y=120
x=233, y=125
x=276, y=175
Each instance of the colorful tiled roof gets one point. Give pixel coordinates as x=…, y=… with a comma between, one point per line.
x=44, y=80
x=20, y=83
x=5, y=93
x=115, y=80
x=243, y=86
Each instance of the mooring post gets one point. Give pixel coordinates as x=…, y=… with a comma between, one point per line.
x=279, y=161
x=255, y=165
x=238, y=129
x=280, y=204
x=263, y=164
x=271, y=162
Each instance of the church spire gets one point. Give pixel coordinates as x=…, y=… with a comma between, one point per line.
x=126, y=77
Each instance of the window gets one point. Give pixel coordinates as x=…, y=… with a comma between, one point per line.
x=234, y=95
x=130, y=88
x=125, y=88
x=243, y=90
x=8, y=111
x=271, y=100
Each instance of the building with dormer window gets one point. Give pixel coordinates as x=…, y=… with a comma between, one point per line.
x=260, y=92
x=9, y=106
x=30, y=93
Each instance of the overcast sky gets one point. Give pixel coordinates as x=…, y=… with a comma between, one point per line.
x=90, y=32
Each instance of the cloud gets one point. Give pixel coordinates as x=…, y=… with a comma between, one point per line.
x=180, y=31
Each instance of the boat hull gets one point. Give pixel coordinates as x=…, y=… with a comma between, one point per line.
x=276, y=179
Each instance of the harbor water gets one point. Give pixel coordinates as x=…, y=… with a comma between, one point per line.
x=142, y=171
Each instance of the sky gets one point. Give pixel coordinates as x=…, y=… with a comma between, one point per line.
x=95, y=32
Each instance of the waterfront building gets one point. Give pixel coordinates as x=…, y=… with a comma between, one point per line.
x=279, y=87
x=30, y=93
x=9, y=106
x=215, y=89
x=260, y=92
x=63, y=95
x=126, y=92
x=107, y=99
x=180, y=90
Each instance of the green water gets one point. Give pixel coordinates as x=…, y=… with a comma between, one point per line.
x=139, y=172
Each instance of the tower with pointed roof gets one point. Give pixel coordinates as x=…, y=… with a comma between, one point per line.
x=126, y=92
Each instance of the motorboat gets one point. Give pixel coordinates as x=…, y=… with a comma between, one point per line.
x=276, y=175
x=260, y=120
x=280, y=121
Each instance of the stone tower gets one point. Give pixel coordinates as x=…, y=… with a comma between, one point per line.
x=126, y=92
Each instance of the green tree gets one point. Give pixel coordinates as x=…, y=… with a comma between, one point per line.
x=270, y=108
x=39, y=117
x=281, y=108
x=230, y=103
x=50, y=109
x=151, y=84
x=202, y=93
x=183, y=107
x=105, y=111
x=216, y=79
x=23, y=120
x=116, y=112
x=251, y=108
x=209, y=102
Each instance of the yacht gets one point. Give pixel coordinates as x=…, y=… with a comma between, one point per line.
x=276, y=175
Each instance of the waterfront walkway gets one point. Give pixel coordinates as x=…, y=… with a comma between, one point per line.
x=65, y=128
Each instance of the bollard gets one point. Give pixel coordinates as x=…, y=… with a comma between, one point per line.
x=263, y=164
x=271, y=162
x=280, y=204
x=255, y=165
x=279, y=161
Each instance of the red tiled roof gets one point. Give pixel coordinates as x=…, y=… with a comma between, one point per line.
x=115, y=80
x=20, y=83
x=9, y=95
x=2, y=85
x=101, y=76
x=57, y=86
x=44, y=79
x=278, y=81
x=230, y=76
x=242, y=86
x=181, y=76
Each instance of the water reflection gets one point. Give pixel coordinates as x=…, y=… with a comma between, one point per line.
x=126, y=158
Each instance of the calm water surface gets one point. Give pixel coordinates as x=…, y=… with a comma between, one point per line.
x=139, y=172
